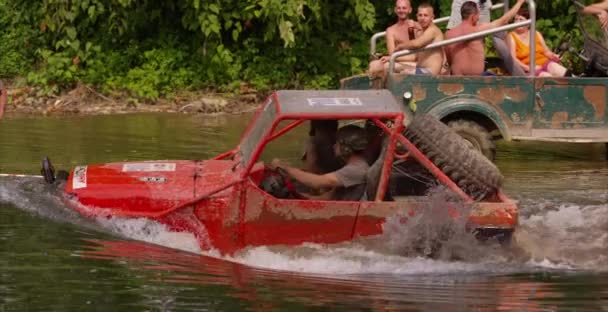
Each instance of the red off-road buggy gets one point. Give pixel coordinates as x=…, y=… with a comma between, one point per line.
x=227, y=203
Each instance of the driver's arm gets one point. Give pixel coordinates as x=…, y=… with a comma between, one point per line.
x=312, y=180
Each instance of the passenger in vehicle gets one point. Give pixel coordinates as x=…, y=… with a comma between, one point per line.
x=346, y=183
x=398, y=33
x=547, y=62
x=498, y=39
x=600, y=10
x=468, y=57
x=319, y=156
x=429, y=62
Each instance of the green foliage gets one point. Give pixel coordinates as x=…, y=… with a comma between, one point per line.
x=59, y=70
x=19, y=36
x=148, y=49
x=158, y=72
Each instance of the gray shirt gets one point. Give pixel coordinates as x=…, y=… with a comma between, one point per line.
x=456, y=18
x=353, y=179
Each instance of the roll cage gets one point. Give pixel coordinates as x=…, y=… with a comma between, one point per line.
x=379, y=106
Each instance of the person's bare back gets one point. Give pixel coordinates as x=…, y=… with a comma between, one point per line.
x=468, y=57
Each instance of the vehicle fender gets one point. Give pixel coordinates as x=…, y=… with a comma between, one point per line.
x=448, y=106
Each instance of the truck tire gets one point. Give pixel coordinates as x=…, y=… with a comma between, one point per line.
x=470, y=170
x=476, y=135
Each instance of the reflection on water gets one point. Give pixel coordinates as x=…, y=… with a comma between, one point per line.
x=53, y=258
x=92, y=139
x=378, y=292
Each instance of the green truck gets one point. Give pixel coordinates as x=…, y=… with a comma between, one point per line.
x=485, y=109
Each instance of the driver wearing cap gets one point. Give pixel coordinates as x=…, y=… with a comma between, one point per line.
x=346, y=183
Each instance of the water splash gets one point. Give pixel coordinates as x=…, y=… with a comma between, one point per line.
x=353, y=259
x=35, y=196
x=438, y=229
x=151, y=232
x=570, y=235
x=39, y=198
x=550, y=237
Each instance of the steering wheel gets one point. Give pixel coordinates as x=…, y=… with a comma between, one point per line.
x=278, y=184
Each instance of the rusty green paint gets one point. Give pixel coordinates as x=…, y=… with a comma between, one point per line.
x=570, y=103
x=527, y=108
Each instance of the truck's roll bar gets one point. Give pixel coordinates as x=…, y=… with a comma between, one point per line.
x=445, y=19
x=532, y=44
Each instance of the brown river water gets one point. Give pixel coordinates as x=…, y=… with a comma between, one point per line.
x=53, y=260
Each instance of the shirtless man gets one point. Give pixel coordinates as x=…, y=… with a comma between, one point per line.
x=600, y=10
x=468, y=57
x=395, y=35
x=498, y=39
x=430, y=62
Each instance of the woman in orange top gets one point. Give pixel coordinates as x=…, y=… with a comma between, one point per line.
x=547, y=62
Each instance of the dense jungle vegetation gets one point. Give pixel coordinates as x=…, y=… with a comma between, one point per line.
x=149, y=48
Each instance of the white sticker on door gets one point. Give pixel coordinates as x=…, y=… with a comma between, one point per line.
x=79, y=180
x=148, y=167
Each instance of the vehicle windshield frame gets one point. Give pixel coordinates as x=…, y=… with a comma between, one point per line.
x=262, y=124
x=297, y=108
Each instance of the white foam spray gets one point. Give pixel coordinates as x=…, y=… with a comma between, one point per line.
x=151, y=232
x=570, y=236
x=553, y=237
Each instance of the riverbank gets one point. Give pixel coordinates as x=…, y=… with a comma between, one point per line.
x=84, y=100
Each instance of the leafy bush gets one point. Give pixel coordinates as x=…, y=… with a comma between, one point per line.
x=149, y=49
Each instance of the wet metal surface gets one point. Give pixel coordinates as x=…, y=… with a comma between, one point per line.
x=524, y=104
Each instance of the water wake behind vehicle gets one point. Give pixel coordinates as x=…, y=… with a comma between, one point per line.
x=564, y=237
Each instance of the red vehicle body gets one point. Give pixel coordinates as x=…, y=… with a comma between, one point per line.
x=220, y=200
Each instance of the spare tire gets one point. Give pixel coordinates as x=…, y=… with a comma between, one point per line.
x=476, y=135
x=468, y=168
